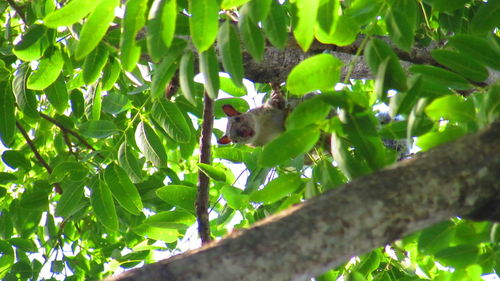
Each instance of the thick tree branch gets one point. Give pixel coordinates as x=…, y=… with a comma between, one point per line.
x=203, y=180
x=456, y=179
x=277, y=64
x=38, y=156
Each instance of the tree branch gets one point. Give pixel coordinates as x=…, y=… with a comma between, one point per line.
x=38, y=156
x=68, y=131
x=455, y=179
x=18, y=10
x=203, y=180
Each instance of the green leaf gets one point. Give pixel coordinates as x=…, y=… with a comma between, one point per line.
x=445, y=5
x=227, y=85
x=441, y=76
x=150, y=145
x=403, y=102
x=307, y=11
x=94, y=64
x=168, y=20
x=328, y=14
x=251, y=34
x=114, y=103
x=209, y=67
x=95, y=27
x=25, y=99
x=57, y=94
x=433, y=139
x=343, y=32
x=77, y=103
x=7, y=115
x=486, y=17
x=128, y=161
x=49, y=68
x=72, y=170
x=239, y=104
x=288, y=145
x=376, y=52
x=38, y=197
x=172, y=120
x=98, y=129
x=5, y=178
x=123, y=189
x=275, y=26
x=463, y=65
x=349, y=163
x=477, y=48
x=166, y=70
x=230, y=51
x=15, y=160
x=436, y=237
x=214, y=173
x=418, y=122
x=277, y=189
x=133, y=20
x=26, y=245
x=186, y=77
x=327, y=175
x=310, y=111
x=319, y=72
x=33, y=43
x=94, y=104
x=235, y=197
x=361, y=132
x=402, y=31
x=364, y=11
x=459, y=256
x=178, y=219
x=111, y=73
x=229, y=4
x=156, y=46
x=203, y=23
x=454, y=108
x=368, y=263
x=101, y=200
x=70, y=13
x=156, y=233
x=181, y=196
x=259, y=9
x=71, y=199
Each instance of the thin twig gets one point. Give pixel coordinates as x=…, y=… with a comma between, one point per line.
x=38, y=156
x=68, y=131
x=18, y=10
x=203, y=180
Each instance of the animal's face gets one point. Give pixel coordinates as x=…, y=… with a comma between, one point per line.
x=240, y=127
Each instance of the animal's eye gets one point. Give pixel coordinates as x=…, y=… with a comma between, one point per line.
x=237, y=119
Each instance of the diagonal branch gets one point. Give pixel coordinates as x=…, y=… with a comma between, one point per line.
x=37, y=154
x=68, y=131
x=455, y=179
x=18, y=10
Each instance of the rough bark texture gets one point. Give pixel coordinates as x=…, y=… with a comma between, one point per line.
x=456, y=179
x=203, y=180
x=277, y=64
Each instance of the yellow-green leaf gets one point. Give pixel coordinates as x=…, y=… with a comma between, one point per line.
x=320, y=72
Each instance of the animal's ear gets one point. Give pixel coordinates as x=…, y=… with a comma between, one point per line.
x=230, y=111
x=224, y=140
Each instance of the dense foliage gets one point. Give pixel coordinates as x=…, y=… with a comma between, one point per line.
x=100, y=120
